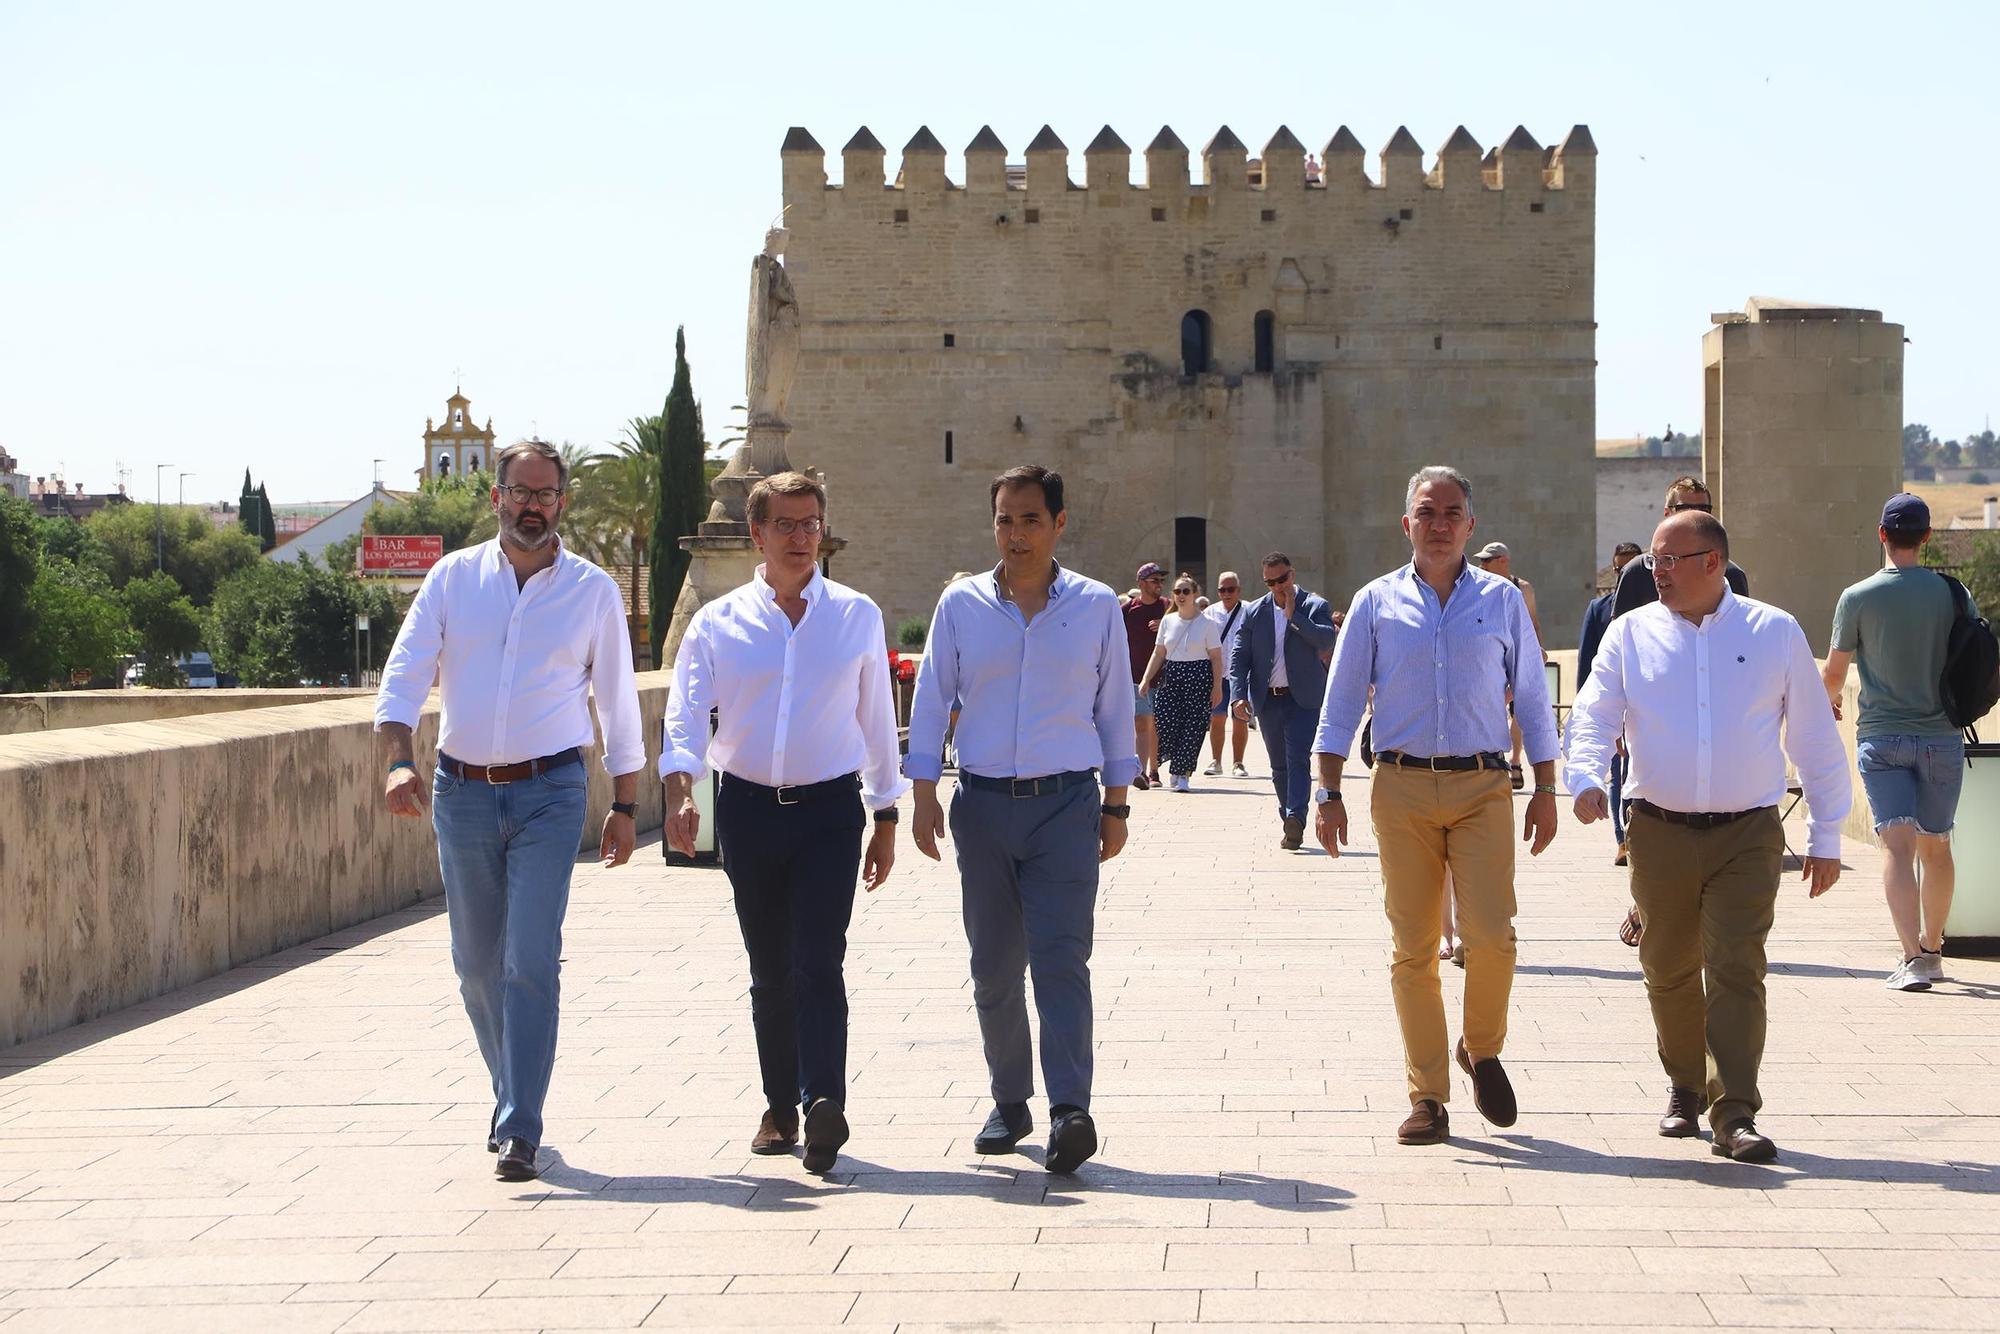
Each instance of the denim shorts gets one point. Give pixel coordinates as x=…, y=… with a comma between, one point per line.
x=1913, y=779
x=1145, y=702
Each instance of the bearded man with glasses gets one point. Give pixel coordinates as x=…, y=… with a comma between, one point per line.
x=519, y=634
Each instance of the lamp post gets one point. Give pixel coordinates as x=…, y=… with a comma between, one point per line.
x=159, y=522
x=183, y=497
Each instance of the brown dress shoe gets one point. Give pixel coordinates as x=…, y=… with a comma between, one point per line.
x=1684, y=1109
x=1492, y=1091
x=776, y=1133
x=1740, y=1140
x=1427, y=1123
x=1295, y=834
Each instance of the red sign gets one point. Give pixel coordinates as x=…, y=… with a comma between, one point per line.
x=400, y=554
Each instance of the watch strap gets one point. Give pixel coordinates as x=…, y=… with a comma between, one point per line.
x=625, y=807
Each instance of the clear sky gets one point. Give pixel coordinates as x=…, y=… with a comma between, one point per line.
x=272, y=234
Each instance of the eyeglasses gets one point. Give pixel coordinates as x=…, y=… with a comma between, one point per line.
x=1680, y=505
x=1228, y=588
x=1281, y=579
x=1667, y=562
x=543, y=496
x=786, y=527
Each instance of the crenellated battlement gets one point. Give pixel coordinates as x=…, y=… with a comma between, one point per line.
x=1284, y=167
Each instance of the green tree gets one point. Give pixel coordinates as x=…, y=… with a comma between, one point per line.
x=682, y=496
x=20, y=562
x=267, y=523
x=79, y=625
x=73, y=542
x=247, y=509
x=286, y=623
x=195, y=552
x=166, y=623
x=614, y=499
x=458, y=509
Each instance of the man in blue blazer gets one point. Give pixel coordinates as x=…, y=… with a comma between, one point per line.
x=1278, y=672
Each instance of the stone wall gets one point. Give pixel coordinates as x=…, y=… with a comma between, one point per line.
x=141, y=857
x=1416, y=317
x=55, y=710
x=1629, y=495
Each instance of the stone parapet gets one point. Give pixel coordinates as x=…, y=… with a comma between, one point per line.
x=56, y=710
x=138, y=858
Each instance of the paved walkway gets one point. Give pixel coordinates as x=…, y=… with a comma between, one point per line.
x=297, y=1145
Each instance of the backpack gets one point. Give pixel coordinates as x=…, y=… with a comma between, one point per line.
x=1969, y=686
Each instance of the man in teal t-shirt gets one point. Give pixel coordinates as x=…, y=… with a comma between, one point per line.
x=1894, y=625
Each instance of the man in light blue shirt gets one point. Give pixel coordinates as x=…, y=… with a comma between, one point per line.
x=1036, y=658
x=1440, y=643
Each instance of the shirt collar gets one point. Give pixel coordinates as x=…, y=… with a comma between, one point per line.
x=498, y=554
x=1465, y=568
x=1063, y=577
x=814, y=590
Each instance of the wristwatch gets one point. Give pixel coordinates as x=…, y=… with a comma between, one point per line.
x=1549, y=788
x=625, y=807
x=887, y=815
x=1117, y=812
x=1322, y=795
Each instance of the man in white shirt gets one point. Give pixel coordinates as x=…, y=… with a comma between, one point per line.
x=1227, y=612
x=1701, y=682
x=519, y=634
x=797, y=669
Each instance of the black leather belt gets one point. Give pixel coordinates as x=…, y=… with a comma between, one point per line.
x=502, y=774
x=1028, y=787
x=1278, y=692
x=791, y=794
x=1443, y=764
x=1694, y=819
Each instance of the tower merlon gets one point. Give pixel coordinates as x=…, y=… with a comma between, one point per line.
x=803, y=164
x=1167, y=162
x=986, y=162
x=1224, y=161
x=861, y=162
x=1284, y=163
x=1574, y=162
x=1458, y=165
x=1520, y=161
x=1048, y=162
x=1107, y=163
x=923, y=164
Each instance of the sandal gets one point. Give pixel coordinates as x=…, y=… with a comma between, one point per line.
x=1632, y=927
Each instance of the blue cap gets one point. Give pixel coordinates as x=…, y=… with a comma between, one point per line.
x=1906, y=513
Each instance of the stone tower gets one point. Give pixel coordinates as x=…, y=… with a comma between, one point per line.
x=1256, y=360
x=1802, y=441
x=455, y=447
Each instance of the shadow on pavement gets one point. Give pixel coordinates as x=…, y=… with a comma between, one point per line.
x=1545, y=1155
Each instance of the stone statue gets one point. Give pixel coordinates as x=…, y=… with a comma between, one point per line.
x=773, y=352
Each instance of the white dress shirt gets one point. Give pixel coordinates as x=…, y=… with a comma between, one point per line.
x=513, y=661
x=1701, y=708
x=1280, y=622
x=796, y=704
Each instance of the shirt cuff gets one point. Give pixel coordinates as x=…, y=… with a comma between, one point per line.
x=679, y=761
x=882, y=801
x=1823, y=840
x=1120, y=773
x=396, y=711
x=624, y=762
x=923, y=769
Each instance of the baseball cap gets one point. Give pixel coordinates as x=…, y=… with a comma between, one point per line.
x=1151, y=570
x=1490, y=551
x=1906, y=513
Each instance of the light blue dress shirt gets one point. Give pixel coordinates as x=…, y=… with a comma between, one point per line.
x=1440, y=673
x=1036, y=698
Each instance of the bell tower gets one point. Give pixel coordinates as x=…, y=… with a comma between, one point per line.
x=454, y=447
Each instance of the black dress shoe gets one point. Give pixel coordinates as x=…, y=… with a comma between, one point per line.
x=1492, y=1091
x=1006, y=1127
x=1739, y=1140
x=826, y=1131
x=517, y=1161
x=1684, y=1109
x=1072, y=1139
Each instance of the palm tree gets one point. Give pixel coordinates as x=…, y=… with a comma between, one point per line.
x=612, y=499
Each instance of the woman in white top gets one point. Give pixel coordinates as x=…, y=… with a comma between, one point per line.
x=1187, y=665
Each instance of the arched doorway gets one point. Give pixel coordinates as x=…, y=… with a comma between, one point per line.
x=1267, y=342
x=1195, y=344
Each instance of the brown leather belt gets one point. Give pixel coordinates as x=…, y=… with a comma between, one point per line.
x=502, y=774
x=1695, y=819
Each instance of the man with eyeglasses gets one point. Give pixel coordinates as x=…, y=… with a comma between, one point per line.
x=1278, y=672
x=1227, y=612
x=1439, y=642
x=520, y=635
x=1685, y=495
x=796, y=669
x=1708, y=686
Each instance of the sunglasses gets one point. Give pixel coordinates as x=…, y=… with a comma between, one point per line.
x=1284, y=578
x=1183, y=592
x=1701, y=505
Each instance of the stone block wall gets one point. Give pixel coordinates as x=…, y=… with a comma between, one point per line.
x=56, y=710
x=141, y=857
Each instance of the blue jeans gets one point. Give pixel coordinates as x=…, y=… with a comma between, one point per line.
x=506, y=852
x=1287, y=728
x=1913, y=779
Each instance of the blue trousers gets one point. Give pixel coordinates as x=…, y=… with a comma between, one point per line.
x=1619, y=764
x=1287, y=728
x=506, y=853
x=1028, y=878
x=793, y=868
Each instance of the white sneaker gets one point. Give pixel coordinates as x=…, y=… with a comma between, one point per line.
x=1182, y=783
x=1909, y=976
x=1929, y=965
x=1214, y=770
x=1239, y=772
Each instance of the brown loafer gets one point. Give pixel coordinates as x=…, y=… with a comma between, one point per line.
x=1427, y=1123
x=776, y=1133
x=1684, y=1109
x=1739, y=1140
x=1492, y=1091
x=1295, y=834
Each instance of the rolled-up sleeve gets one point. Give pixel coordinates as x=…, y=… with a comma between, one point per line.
x=881, y=779
x=1812, y=744
x=412, y=663
x=1597, y=718
x=1532, y=707
x=1347, y=683
x=930, y=708
x=615, y=687
x=1117, y=701
x=684, y=748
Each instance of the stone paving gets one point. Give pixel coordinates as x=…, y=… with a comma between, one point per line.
x=298, y=1145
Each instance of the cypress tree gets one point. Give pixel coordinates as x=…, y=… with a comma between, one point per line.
x=267, y=527
x=683, y=499
x=246, y=508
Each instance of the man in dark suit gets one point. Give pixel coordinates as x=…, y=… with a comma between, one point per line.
x=1278, y=672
